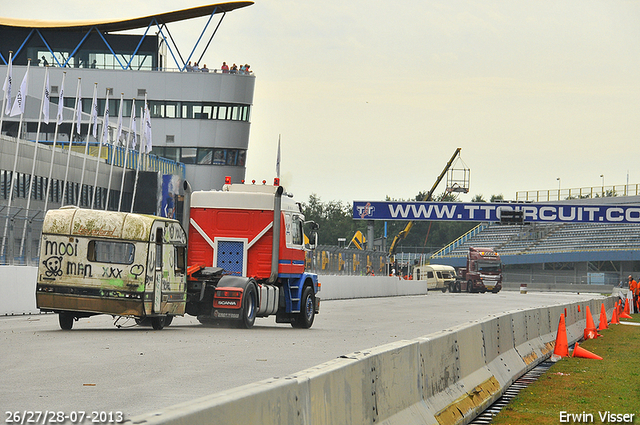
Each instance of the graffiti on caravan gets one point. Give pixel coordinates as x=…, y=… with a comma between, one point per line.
x=484, y=211
x=61, y=247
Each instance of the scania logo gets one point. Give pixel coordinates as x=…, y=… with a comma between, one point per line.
x=224, y=302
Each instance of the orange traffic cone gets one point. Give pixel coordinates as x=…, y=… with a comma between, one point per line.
x=625, y=312
x=585, y=354
x=561, y=348
x=590, y=331
x=614, y=317
x=565, y=313
x=603, y=319
x=578, y=308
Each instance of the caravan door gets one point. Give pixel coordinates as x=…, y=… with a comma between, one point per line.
x=157, y=280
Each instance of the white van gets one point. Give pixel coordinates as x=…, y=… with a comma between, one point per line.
x=437, y=276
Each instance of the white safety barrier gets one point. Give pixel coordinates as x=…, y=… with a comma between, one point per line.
x=444, y=378
x=18, y=288
x=336, y=287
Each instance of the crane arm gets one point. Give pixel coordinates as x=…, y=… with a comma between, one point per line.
x=403, y=233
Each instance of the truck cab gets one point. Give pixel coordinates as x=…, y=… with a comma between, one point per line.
x=255, y=235
x=482, y=273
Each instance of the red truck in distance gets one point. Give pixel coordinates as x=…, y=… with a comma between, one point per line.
x=483, y=272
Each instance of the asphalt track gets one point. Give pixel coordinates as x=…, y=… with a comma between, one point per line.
x=135, y=370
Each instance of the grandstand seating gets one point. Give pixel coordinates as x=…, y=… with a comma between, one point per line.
x=550, y=238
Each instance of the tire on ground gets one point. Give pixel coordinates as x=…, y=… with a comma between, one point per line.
x=307, y=314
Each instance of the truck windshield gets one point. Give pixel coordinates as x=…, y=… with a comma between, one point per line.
x=489, y=267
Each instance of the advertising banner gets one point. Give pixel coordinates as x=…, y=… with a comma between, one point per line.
x=485, y=211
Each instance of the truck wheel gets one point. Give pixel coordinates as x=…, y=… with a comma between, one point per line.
x=469, y=286
x=66, y=321
x=249, y=307
x=304, y=319
x=444, y=288
x=158, y=322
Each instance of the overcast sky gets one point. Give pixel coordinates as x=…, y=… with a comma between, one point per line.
x=372, y=98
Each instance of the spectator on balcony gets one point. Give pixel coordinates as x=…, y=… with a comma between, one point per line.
x=204, y=68
x=225, y=68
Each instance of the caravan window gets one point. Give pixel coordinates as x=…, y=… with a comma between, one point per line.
x=111, y=252
x=180, y=257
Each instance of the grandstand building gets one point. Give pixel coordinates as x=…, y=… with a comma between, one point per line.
x=200, y=120
x=547, y=255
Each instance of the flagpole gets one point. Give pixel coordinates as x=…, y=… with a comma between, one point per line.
x=126, y=155
x=73, y=124
x=113, y=150
x=55, y=138
x=105, y=127
x=18, y=104
x=140, y=157
x=86, y=145
x=33, y=164
x=278, y=160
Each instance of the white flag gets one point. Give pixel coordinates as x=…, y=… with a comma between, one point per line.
x=18, y=103
x=79, y=107
x=7, y=87
x=134, y=141
x=147, y=129
x=61, y=101
x=119, y=131
x=47, y=96
x=105, y=122
x=94, y=111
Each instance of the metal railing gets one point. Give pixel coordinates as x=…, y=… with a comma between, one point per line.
x=20, y=229
x=327, y=259
x=579, y=193
x=462, y=239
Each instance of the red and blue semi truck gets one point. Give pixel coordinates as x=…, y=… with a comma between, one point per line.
x=247, y=257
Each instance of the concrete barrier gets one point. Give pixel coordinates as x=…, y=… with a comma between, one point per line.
x=18, y=293
x=336, y=287
x=18, y=290
x=444, y=378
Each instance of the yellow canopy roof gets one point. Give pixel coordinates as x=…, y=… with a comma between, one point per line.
x=127, y=24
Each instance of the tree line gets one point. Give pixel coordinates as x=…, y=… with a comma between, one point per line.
x=335, y=221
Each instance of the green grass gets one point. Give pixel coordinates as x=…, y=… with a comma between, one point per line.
x=577, y=385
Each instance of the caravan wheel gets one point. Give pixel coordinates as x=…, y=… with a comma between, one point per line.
x=66, y=320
